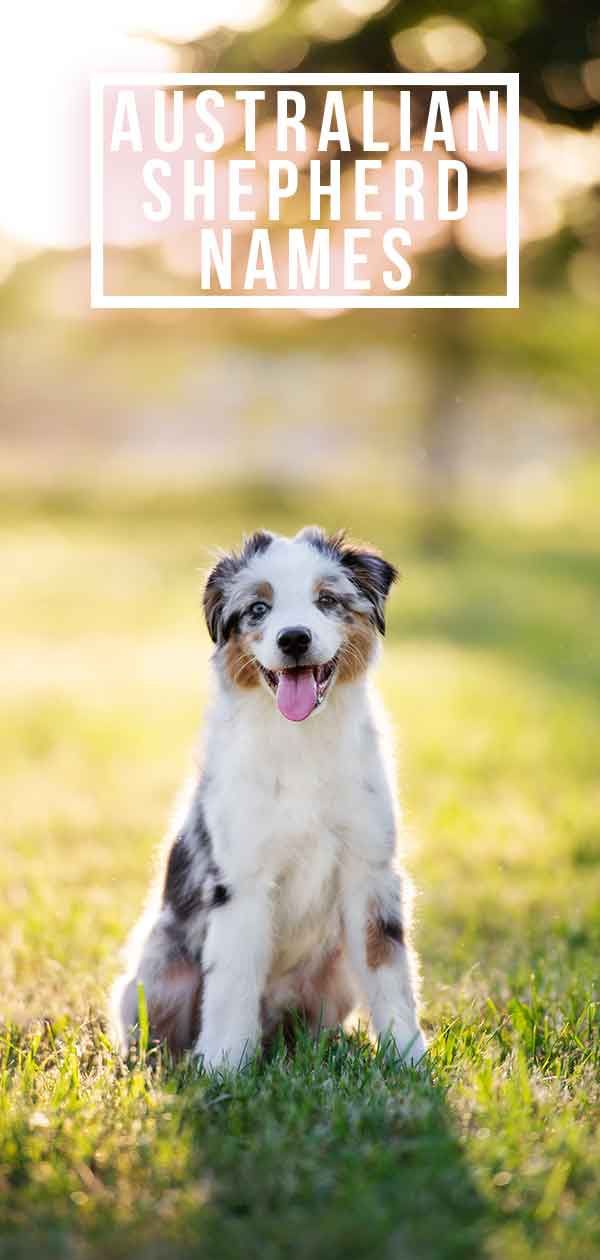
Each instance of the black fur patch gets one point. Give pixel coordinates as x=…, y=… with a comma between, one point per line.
x=373, y=576
x=184, y=898
x=223, y=573
x=221, y=895
x=198, y=834
x=393, y=929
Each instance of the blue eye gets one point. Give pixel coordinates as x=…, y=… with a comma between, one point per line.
x=259, y=609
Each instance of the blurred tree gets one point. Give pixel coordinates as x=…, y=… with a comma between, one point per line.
x=548, y=42
x=554, y=46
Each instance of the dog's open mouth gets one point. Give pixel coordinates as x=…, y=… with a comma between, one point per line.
x=300, y=690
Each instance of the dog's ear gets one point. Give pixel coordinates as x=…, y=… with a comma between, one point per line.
x=218, y=582
x=371, y=574
x=214, y=596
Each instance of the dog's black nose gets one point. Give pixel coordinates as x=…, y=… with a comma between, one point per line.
x=294, y=641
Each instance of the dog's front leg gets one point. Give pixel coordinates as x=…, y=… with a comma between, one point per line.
x=378, y=951
x=236, y=958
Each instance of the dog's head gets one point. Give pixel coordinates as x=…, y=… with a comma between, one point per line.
x=297, y=616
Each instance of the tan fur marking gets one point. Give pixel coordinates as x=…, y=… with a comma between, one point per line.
x=264, y=591
x=357, y=649
x=326, y=584
x=240, y=664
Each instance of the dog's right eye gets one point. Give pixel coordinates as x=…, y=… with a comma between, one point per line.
x=258, y=609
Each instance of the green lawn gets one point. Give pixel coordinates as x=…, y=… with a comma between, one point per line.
x=492, y=674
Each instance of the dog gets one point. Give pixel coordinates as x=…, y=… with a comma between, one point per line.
x=281, y=890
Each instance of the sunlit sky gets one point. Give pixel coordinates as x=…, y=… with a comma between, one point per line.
x=47, y=53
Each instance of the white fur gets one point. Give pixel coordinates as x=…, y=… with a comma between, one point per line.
x=303, y=829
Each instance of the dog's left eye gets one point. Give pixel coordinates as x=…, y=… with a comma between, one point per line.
x=258, y=609
x=326, y=600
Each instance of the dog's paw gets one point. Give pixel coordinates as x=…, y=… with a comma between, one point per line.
x=223, y=1058
x=415, y=1053
x=407, y=1046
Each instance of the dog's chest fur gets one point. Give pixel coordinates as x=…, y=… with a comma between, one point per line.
x=284, y=811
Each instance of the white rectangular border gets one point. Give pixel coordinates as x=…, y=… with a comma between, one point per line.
x=100, y=300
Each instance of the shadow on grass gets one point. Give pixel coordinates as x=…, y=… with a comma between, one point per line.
x=333, y=1151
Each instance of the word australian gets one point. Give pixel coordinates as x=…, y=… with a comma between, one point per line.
x=190, y=186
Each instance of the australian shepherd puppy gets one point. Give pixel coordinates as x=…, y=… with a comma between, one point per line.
x=281, y=890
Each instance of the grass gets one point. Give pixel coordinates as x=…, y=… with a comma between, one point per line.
x=492, y=675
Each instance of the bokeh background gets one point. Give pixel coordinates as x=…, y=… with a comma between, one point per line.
x=465, y=444
x=441, y=406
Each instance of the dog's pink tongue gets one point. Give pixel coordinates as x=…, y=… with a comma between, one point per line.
x=297, y=694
